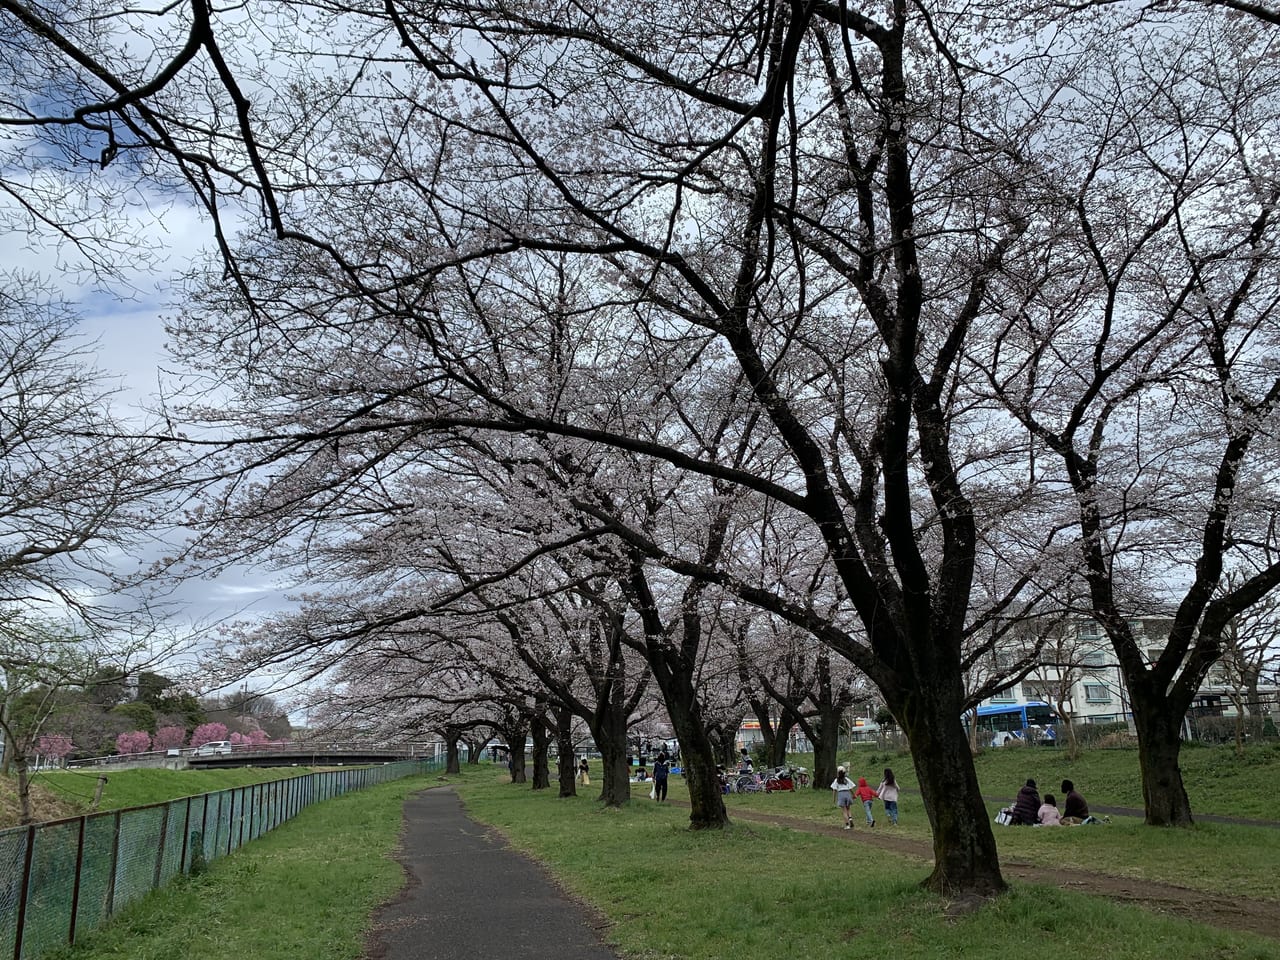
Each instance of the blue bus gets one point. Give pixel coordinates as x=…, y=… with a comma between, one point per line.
x=998, y=723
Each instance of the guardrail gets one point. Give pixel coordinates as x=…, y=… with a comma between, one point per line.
x=64, y=877
x=405, y=750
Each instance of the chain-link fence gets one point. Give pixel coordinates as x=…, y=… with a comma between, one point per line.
x=66, y=877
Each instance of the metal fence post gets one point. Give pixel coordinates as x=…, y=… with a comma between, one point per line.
x=75, y=885
x=115, y=860
x=231, y=816
x=186, y=826
x=164, y=835
x=22, y=894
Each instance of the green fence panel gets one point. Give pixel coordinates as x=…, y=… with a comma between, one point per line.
x=51, y=887
x=97, y=867
x=141, y=840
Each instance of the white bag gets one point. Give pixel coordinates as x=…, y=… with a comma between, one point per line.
x=1004, y=818
x=653, y=792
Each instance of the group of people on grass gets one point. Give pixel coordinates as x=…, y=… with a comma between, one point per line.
x=846, y=791
x=661, y=773
x=1029, y=811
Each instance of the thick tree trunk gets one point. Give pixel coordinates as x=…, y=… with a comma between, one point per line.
x=777, y=748
x=476, y=748
x=541, y=758
x=825, y=736
x=1164, y=797
x=452, y=763
x=964, y=846
x=567, y=763
x=697, y=755
x=608, y=727
x=615, y=775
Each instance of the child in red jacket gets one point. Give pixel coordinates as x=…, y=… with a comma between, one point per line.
x=866, y=795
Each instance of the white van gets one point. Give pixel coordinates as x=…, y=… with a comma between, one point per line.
x=212, y=748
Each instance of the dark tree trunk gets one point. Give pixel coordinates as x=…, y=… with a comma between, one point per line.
x=24, y=791
x=1159, y=745
x=777, y=749
x=824, y=734
x=541, y=751
x=516, y=732
x=723, y=744
x=615, y=775
x=608, y=726
x=964, y=846
x=476, y=748
x=566, y=765
x=452, y=736
x=697, y=756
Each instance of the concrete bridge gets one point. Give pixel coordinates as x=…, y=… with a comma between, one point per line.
x=315, y=753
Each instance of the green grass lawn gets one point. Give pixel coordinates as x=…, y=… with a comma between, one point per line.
x=1212, y=857
x=756, y=890
x=748, y=892
x=1217, y=781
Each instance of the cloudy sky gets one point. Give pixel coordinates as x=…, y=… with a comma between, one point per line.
x=124, y=320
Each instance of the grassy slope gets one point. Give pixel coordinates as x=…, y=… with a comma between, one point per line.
x=134, y=788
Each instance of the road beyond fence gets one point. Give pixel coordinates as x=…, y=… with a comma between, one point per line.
x=66, y=877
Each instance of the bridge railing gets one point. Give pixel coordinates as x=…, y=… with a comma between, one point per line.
x=65, y=877
x=405, y=750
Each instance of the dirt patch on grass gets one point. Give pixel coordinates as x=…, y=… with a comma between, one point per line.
x=1237, y=913
x=46, y=804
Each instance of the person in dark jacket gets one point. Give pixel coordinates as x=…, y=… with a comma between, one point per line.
x=661, y=770
x=1026, y=808
x=1073, y=804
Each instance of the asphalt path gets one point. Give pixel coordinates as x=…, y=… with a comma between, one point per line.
x=470, y=895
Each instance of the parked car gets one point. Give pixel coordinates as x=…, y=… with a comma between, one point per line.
x=212, y=748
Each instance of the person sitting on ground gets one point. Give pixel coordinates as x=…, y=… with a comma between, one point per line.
x=1048, y=815
x=642, y=775
x=1074, y=809
x=1026, y=808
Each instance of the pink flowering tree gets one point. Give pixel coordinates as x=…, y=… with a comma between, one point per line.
x=136, y=741
x=54, y=746
x=167, y=738
x=208, y=731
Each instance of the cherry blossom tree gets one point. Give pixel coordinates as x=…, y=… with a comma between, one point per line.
x=208, y=732
x=135, y=741
x=846, y=267
x=54, y=746
x=1139, y=354
x=167, y=738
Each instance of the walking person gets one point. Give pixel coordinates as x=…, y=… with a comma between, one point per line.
x=661, y=769
x=866, y=795
x=888, y=792
x=843, y=789
x=583, y=777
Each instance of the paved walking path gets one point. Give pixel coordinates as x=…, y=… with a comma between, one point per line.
x=469, y=895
